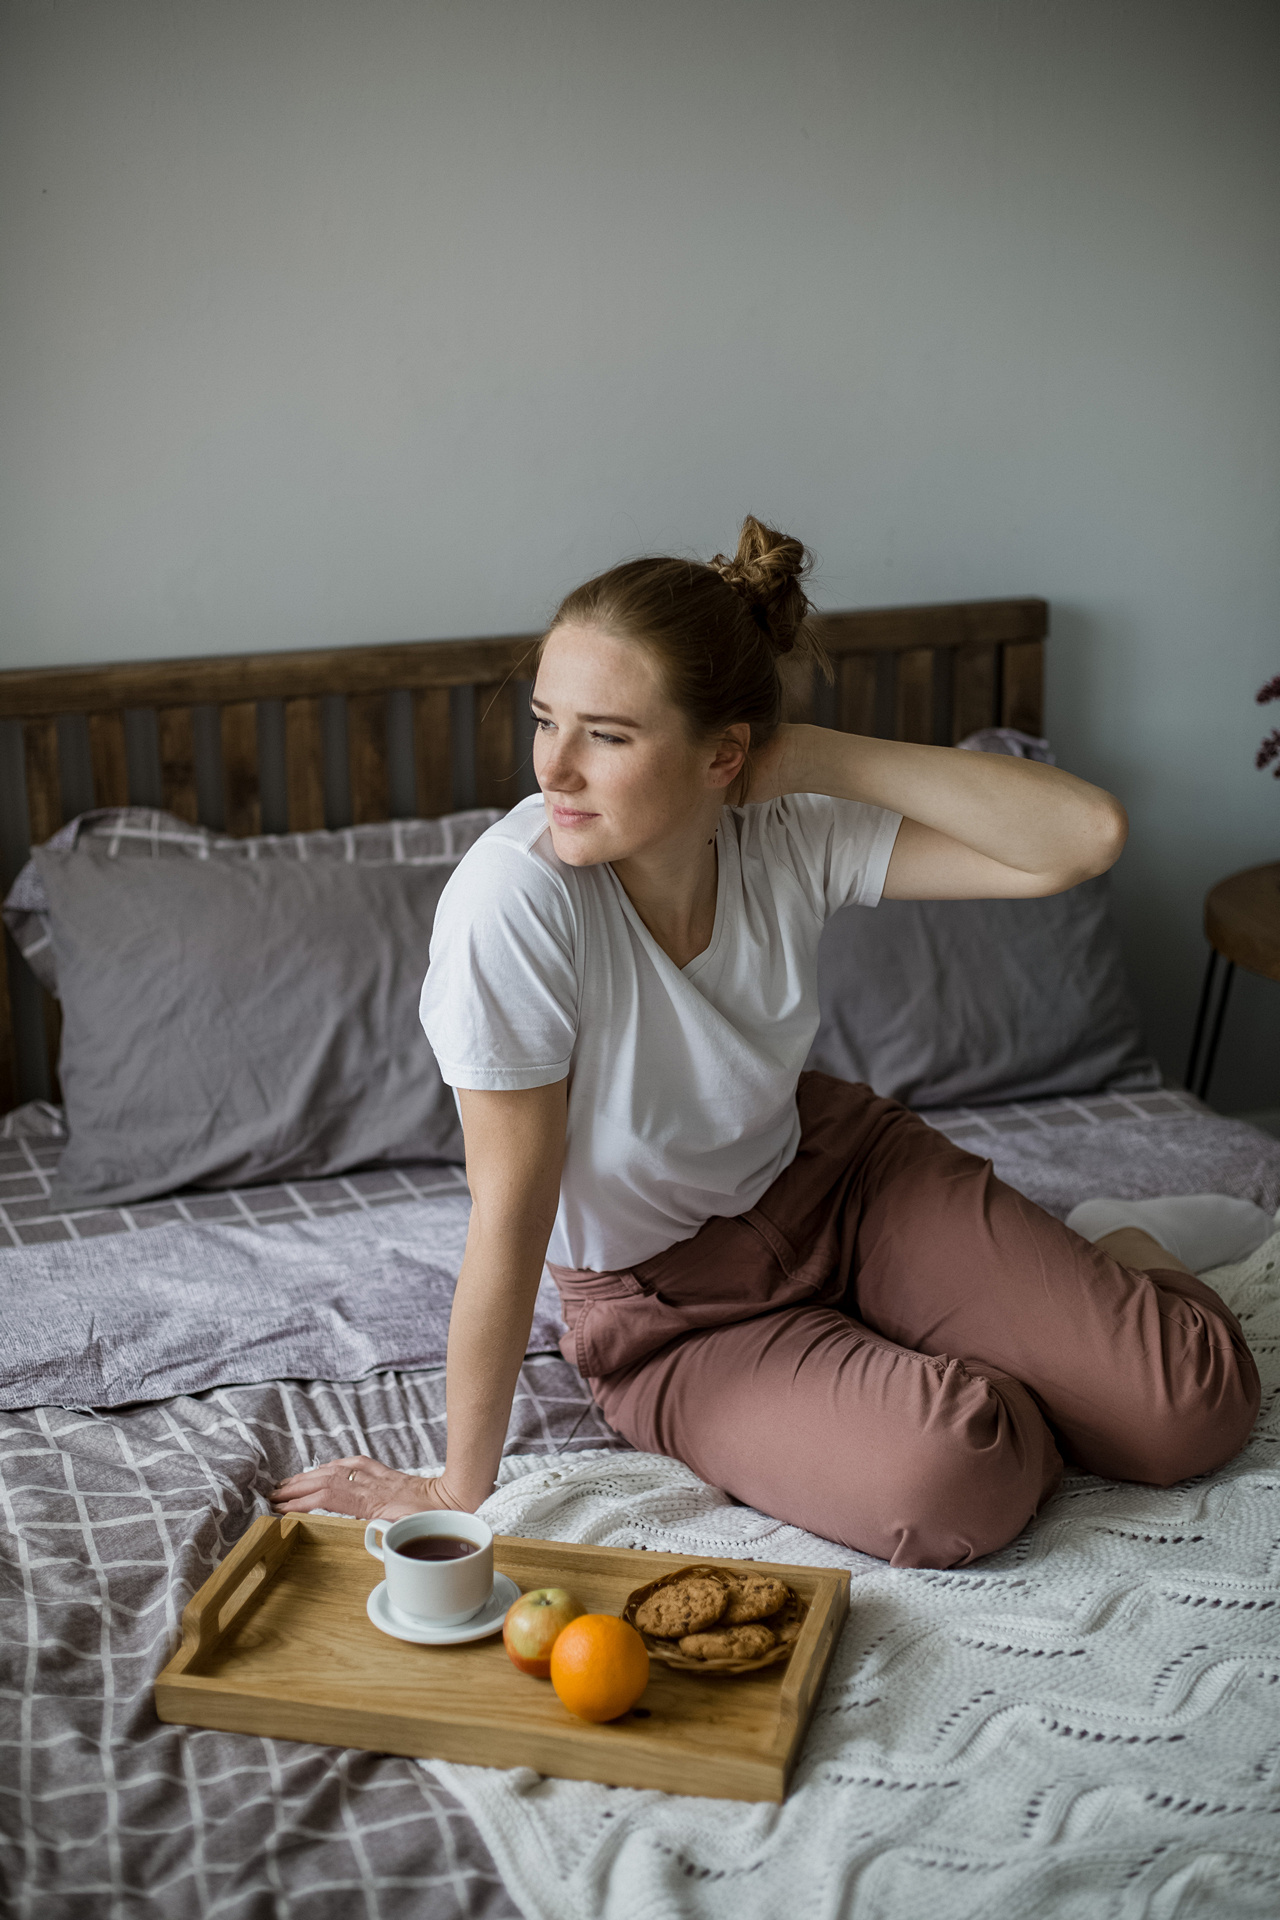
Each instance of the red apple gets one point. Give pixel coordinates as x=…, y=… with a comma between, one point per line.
x=532, y=1626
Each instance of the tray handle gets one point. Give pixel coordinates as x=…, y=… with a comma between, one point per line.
x=212, y=1610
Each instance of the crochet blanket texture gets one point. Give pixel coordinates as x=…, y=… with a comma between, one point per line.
x=1081, y=1727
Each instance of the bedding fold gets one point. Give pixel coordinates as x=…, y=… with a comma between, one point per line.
x=123, y=1318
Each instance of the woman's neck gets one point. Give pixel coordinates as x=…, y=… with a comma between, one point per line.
x=673, y=889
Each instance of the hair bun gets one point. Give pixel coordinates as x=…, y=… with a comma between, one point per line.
x=766, y=571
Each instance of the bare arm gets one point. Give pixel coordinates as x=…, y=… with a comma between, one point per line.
x=515, y=1152
x=979, y=826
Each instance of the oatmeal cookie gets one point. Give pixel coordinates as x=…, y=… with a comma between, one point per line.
x=686, y=1606
x=752, y=1596
x=786, y=1623
x=728, y=1643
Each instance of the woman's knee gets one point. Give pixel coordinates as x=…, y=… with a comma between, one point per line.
x=952, y=1466
x=1195, y=1426
x=966, y=1485
x=1185, y=1392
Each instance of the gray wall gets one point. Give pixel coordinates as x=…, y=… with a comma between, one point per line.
x=329, y=321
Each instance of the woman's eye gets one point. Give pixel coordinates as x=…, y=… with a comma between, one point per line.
x=545, y=725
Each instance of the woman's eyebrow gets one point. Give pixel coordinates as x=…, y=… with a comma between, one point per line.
x=615, y=719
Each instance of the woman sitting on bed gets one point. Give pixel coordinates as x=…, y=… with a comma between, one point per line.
x=798, y=1288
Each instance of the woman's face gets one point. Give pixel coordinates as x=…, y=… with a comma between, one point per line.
x=618, y=768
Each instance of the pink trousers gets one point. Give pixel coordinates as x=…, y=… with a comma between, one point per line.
x=895, y=1350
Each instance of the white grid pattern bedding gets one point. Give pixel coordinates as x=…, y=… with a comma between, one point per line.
x=1054, y=1150
x=31, y=1142
x=115, y=1519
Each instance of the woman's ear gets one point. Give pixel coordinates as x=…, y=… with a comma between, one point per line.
x=730, y=755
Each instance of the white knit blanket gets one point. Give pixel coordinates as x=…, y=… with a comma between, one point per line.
x=1083, y=1727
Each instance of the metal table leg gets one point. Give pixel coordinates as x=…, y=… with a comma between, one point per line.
x=1201, y=1089
x=1189, y=1077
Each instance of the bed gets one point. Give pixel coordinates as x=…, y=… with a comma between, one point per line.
x=166, y=1357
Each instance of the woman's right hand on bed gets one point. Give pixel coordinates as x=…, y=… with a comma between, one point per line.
x=363, y=1487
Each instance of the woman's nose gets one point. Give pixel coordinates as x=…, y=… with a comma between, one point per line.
x=556, y=770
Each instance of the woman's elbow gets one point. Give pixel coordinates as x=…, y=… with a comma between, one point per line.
x=1099, y=844
x=1110, y=830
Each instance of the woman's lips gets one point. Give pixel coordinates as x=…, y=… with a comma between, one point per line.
x=571, y=817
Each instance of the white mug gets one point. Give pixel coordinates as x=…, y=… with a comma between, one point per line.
x=434, y=1593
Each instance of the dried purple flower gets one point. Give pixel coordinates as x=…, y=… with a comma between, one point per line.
x=1269, y=751
x=1270, y=692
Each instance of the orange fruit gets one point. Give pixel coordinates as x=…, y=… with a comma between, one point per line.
x=599, y=1666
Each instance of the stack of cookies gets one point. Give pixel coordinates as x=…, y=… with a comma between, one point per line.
x=710, y=1617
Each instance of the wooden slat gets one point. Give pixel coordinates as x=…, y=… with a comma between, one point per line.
x=240, y=768
x=954, y=624
x=1022, y=687
x=44, y=800
x=856, y=693
x=8, y=1065
x=913, y=705
x=304, y=764
x=454, y=663
x=973, y=692
x=177, y=761
x=943, y=665
x=495, y=745
x=432, y=752
x=230, y=678
x=367, y=757
x=799, y=690
x=108, y=759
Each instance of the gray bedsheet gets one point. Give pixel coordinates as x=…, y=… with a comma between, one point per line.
x=112, y=1524
x=199, y=1304
x=1059, y=1152
x=114, y=1518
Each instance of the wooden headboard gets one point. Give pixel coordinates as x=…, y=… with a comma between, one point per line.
x=282, y=742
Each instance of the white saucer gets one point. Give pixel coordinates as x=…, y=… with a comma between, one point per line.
x=488, y=1620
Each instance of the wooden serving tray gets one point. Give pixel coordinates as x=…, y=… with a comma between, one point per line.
x=277, y=1642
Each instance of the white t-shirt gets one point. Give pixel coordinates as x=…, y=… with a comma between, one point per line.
x=682, y=1079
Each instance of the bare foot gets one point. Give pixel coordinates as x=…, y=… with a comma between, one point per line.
x=362, y=1487
x=1134, y=1248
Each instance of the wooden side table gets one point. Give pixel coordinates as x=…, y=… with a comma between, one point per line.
x=1242, y=925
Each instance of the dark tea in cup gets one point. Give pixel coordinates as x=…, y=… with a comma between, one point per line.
x=436, y=1546
x=439, y=1566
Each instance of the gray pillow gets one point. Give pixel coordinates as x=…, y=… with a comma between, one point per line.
x=145, y=833
x=942, y=1003
x=246, y=1014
